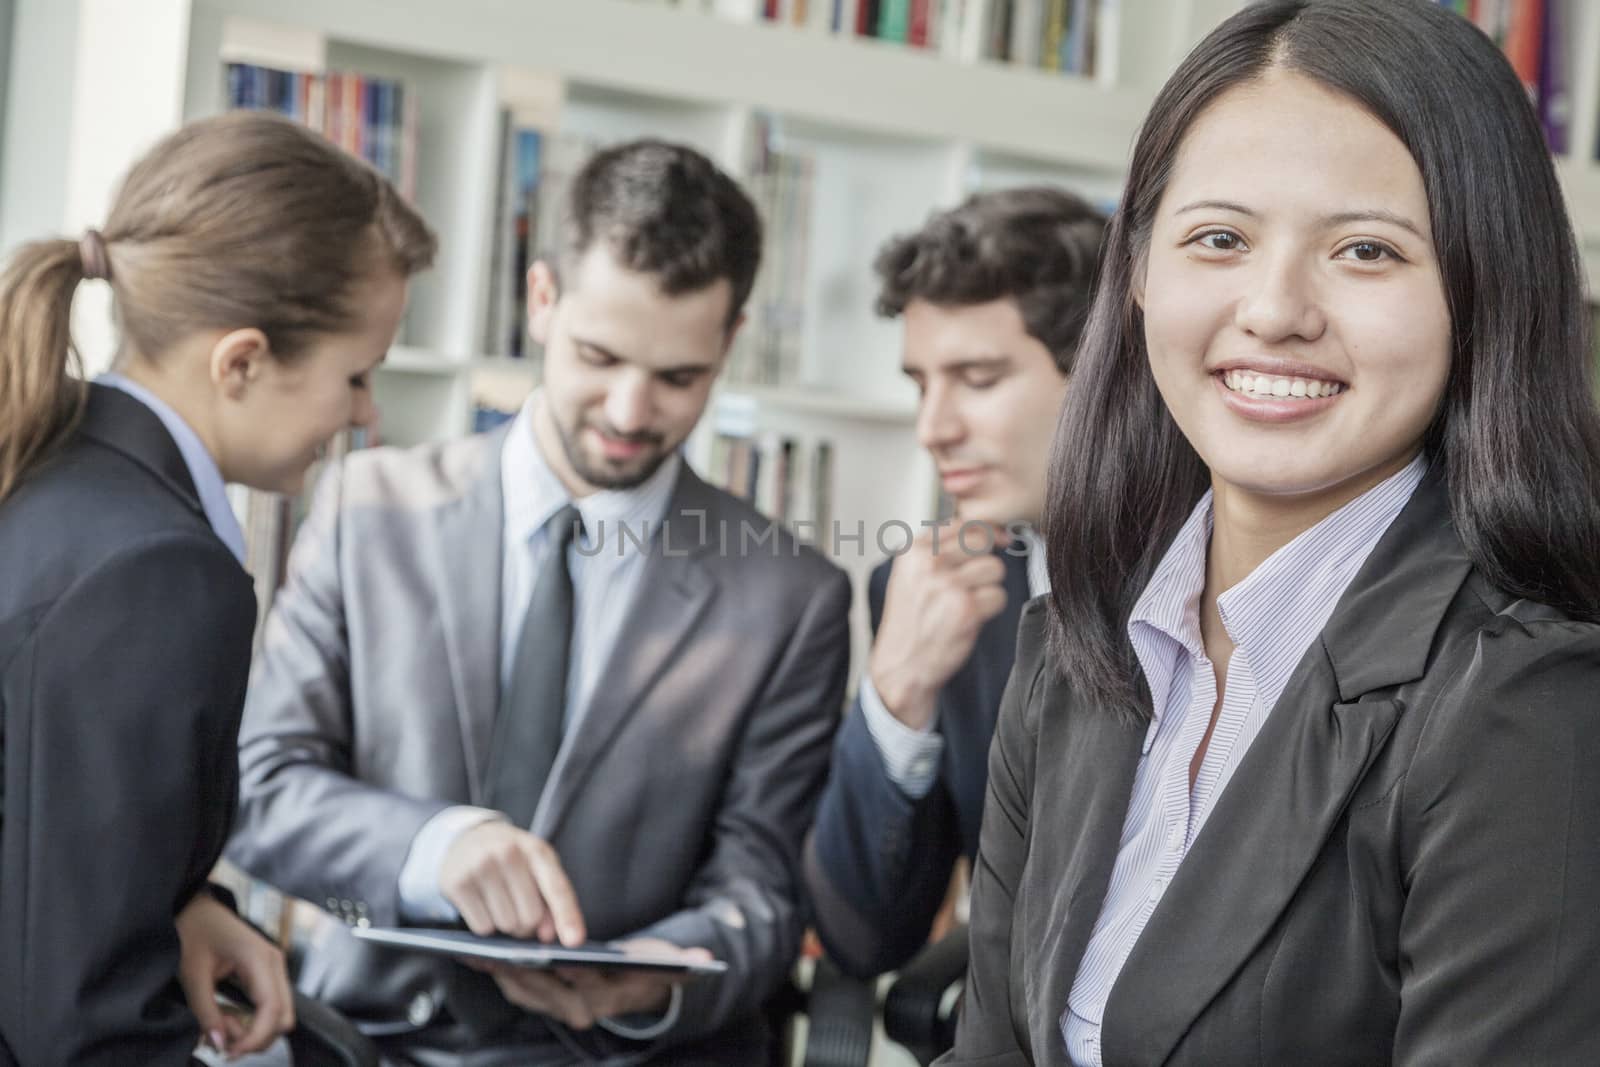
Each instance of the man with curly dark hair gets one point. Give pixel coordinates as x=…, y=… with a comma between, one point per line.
x=994, y=295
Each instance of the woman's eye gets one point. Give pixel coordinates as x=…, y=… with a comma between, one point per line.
x=1220, y=241
x=1366, y=252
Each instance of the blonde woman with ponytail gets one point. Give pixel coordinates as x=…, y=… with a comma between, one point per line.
x=258, y=276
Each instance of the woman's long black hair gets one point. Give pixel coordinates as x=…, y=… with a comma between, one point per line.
x=1517, y=431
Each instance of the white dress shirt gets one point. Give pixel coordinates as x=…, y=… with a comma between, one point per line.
x=203, y=470
x=1272, y=617
x=910, y=756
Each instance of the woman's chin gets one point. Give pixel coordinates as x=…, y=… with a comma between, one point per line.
x=1269, y=476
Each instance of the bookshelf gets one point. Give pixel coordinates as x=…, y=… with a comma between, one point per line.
x=890, y=133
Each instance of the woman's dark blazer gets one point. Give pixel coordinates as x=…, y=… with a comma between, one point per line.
x=1405, y=867
x=125, y=628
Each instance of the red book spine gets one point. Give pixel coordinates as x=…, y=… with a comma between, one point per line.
x=921, y=17
x=1523, y=42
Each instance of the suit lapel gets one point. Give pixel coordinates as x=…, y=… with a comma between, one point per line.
x=969, y=704
x=1076, y=832
x=997, y=642
x=1266, y=831
x=1292, y=787
x=468, y=545
x=674, y=592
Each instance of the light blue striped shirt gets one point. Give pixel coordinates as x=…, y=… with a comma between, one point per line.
x=1272, y=617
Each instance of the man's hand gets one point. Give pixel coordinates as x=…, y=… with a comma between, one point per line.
x=217, y=944
x=505, y=880
x=580, y=996
x=940, y=594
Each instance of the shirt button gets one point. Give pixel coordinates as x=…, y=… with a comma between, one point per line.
x=420, y=1011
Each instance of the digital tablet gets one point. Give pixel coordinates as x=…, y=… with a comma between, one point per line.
x=520, y=953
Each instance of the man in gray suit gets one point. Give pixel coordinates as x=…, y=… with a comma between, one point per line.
x=547, y=682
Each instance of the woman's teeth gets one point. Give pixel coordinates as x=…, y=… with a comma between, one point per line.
x=1264, y=385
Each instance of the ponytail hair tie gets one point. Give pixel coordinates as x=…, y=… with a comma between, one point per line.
x=92, y=251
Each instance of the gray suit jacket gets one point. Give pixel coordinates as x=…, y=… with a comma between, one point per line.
x=680, y=805
x=1404, y=869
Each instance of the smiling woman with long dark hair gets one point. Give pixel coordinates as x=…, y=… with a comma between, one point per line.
x=1297, y=761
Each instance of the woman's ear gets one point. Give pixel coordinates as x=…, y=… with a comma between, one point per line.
x=238, y=359
x=543, y=293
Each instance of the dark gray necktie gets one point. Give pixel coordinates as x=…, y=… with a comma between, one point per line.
x=527, y=736
x=528, y=725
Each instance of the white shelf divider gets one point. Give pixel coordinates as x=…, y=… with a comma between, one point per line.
x=406, y=359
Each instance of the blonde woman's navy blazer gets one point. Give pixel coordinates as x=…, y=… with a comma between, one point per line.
x=125, y=628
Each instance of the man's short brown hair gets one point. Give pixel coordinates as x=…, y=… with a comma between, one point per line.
x=1037, y=245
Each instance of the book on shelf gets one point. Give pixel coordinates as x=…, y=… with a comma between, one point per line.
x=868, y=14
x=374, y=119
x=894, y=21
x=807, y=13
x=820, y=486
x=536, y=170
x=1057, y=35
x=515, y=229
x=486, y=418
x=1538, y=38
x=767, y=349
x=921, y=24
x=786, y=478
x=1554, y=96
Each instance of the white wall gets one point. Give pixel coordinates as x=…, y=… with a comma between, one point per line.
x=122, y=103
x=37, y=118
x=7, y=10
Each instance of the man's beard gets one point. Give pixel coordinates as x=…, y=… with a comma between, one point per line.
x=601, y=474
